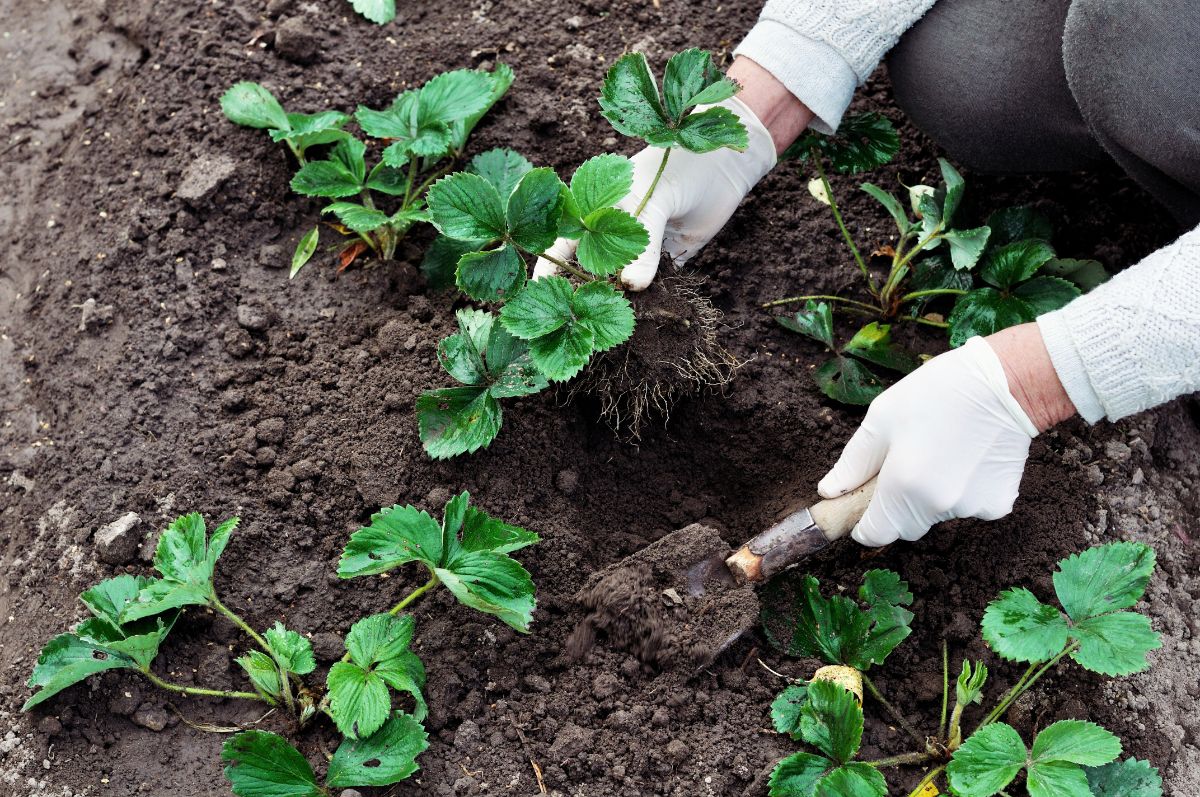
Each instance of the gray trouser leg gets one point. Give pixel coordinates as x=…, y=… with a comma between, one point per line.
x=1054, y=85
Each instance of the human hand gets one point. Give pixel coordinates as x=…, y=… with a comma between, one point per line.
x=950, y=440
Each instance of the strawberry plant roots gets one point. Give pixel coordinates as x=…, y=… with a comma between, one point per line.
x=155, y=359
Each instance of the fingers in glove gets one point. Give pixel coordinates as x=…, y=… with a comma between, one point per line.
x=563, y=249
x=638, y=275
x=860, y=460
x=905, y=505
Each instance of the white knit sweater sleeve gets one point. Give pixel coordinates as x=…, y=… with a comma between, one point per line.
x=1134, y=342
x=823, y=49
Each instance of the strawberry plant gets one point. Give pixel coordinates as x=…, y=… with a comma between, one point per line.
x=501, y=210
x=1001, y=273
x=131, y=616
x=423, y=134
x=1071, y=758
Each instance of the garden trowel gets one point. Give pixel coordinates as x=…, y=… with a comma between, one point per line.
x=686, y=597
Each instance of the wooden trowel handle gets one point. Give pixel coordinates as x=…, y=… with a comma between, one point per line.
x=798, y=535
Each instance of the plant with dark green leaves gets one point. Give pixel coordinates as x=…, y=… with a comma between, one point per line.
x=132, y=615
x=1069, y=758
x=1000, y=273
x=423, y=134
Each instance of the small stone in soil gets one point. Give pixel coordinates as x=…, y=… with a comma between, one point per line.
x=296, y=42
x=151, y=717
x=271, y=256
x=252, y=318
x=117, y=542
x=203, y=175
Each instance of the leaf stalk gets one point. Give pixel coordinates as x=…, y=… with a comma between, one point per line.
x=653, y=183
x=197, y=691
x=908, y=728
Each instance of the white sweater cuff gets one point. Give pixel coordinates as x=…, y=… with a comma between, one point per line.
x=810, y=69
x=1064, y=354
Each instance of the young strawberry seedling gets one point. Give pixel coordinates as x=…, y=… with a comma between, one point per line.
x=501, y=209
x=425, y=131
x=1070, y=758
x=131, y=616
x=932, y=258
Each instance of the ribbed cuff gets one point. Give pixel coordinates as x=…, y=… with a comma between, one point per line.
x=1064, y=354
x=811, y=70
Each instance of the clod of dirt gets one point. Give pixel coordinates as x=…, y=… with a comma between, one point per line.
x=641, y=604
x=673, y=354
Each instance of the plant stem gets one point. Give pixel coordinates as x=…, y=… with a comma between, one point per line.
x=240, y=623
x=929, y=778
x=416, y=593
x=899, y=760
x=433, y=176
x=945, y=689
x=899, y=263
x=925, y=321
x=837, y=217
x=198, y=691
x=909, y=729
x=1026, y=682
x=791, y=299
x=932, y=292
x=565, y=266
x=653, y=183
x=408, y=183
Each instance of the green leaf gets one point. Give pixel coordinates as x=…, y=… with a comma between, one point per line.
x=291, y=650
x=1017, y=224
x=357, y=217
x=397, y=535
x=310, y=130
x=954, y=187
x=1019, y=627
x=252, y=105
x=1077, y=742
x=563, y=353
x=1085, y=274
x=692, y=79
x=601, y=182
x=712, y=129
x=847, y=380
x=890, y=204
x=455, y=96
x=832, y=721
x=492, y=583
x=501, y=167
x=359, y=701
x=873, y=343
x=1128, y=778
x=1016, y=262
x=457, y=420
x=263, y=764
x=798, y=775
x=482, y=532
x=440, y=262
x=1057, y=780
x=935, y=273
x=388, y=180
x=884, y=588
x=325, y=179
x=541, y=308
x=467, y=207
x=984, y=311
x=611, y=240
x=533, y=211
x=785, y=709
x=604, y=312
x=966, y=246
x=386, y=757
x=986, y=762
x=379, y=645
x=350, y=153
x=493, y=275
x=185, y=558
x=108, y=599
x=863, y=142
x=304, y=250
x=263, y=673
x=66, y=660
x=854, y=779
x=412, y=132
x=1115, y=644
x=1045, y=294
x=380, y=12
x=814, y=321
x=485, y=354
x=629, y=100
x=1103, y=579
x=969, y=687
x=501, y=78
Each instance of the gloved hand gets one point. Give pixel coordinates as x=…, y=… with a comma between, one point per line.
x=694, y=198
x=948, y=441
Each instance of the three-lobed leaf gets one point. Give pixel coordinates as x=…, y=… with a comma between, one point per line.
x=863, y=142
x=989, y=760
x=291, y=650
x=785, y=709
x=185, y=558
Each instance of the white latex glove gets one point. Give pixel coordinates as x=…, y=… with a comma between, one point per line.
x=694, y=198
x=948, y=441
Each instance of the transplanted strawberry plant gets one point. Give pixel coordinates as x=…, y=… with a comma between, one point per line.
x=501, y=210
x=1069, y=758
x=999, y=274
x=131, y=616
x=423, y=133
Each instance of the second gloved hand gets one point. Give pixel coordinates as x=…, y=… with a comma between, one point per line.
x=948, y=441
x=694, y=198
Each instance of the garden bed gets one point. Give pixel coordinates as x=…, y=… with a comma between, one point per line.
x=157, y=360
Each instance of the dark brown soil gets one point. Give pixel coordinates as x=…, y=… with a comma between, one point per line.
x=155, y=359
